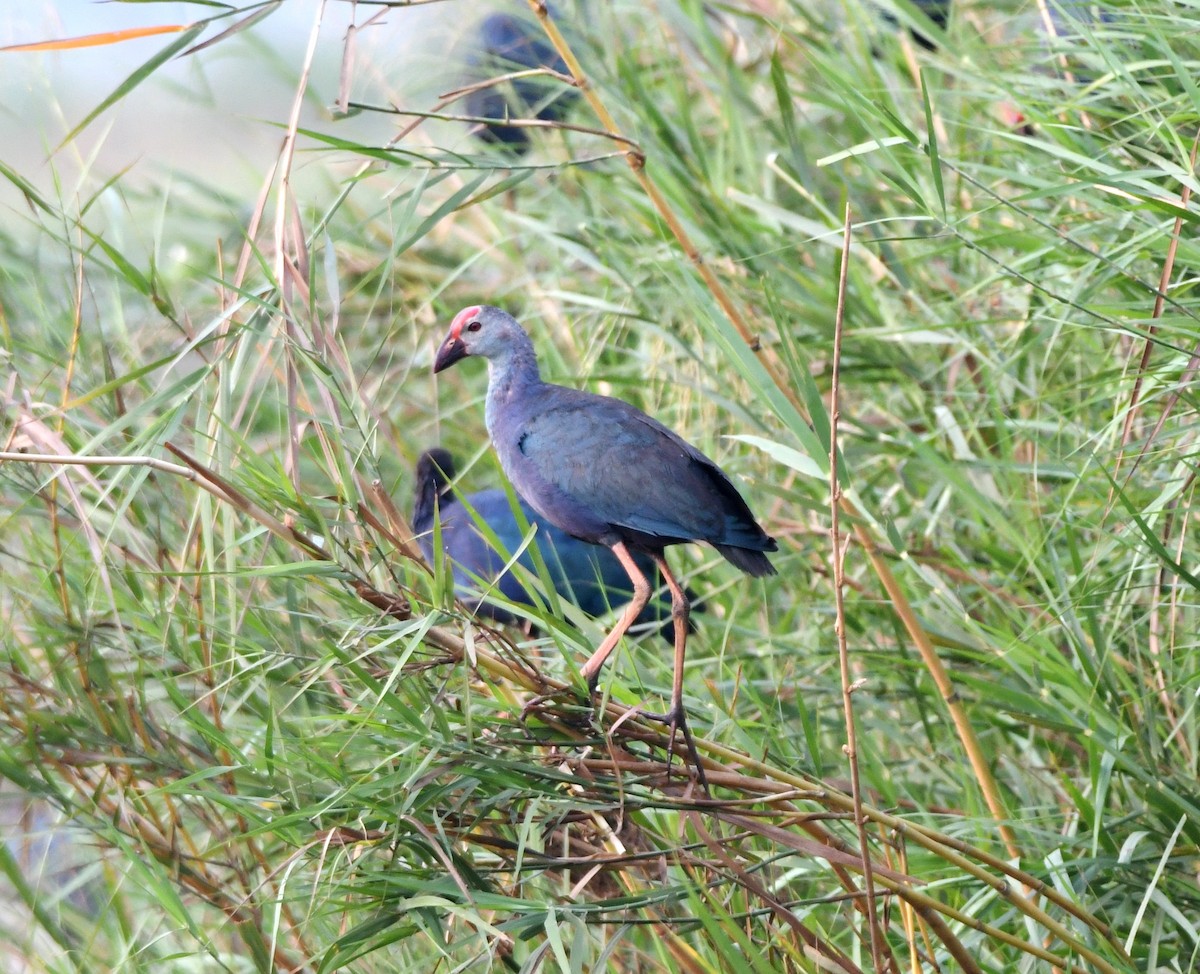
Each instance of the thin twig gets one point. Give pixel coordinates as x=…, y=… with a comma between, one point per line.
x=285, y=256
x=1164, y=282
x=838, y=554
x=636, y=158
x=503, y=79
x=941, y=678
x=514, y=123
x=81, y=460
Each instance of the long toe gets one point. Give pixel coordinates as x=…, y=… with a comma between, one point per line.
x=676, y=720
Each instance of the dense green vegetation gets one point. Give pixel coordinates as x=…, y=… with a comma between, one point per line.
x=287, y=747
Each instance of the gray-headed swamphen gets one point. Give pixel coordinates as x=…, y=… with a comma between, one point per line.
x=583, y=573
x=507, y=43
x=606, y=473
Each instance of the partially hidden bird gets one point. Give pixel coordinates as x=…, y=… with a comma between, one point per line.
x=606, y=473
x=509, y=44
x=588, y=575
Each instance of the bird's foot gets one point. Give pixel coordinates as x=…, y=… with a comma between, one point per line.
x=676, y=720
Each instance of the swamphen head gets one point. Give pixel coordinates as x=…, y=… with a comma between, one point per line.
x=479, y=330
x=435, y=469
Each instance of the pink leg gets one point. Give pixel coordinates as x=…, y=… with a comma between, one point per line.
x=641, y=595
x=676, y=717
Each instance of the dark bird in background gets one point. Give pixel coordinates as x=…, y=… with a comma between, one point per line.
x=1065, y=18
x=506, y=44
x=582, y=573
x=606, y=473
x=938, y=12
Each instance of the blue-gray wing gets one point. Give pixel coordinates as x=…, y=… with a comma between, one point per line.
x=584, y=460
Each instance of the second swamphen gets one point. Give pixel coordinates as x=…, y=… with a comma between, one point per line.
x=606, y=473
x=583, y=573
x=508, y=43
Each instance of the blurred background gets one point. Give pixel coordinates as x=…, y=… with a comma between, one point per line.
x=204, y=117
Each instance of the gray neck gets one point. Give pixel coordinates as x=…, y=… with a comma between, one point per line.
x=510, y=378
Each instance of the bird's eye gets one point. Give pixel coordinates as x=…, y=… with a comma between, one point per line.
x=473, y=326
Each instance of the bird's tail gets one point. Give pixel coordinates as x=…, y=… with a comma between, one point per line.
x=753, y=563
